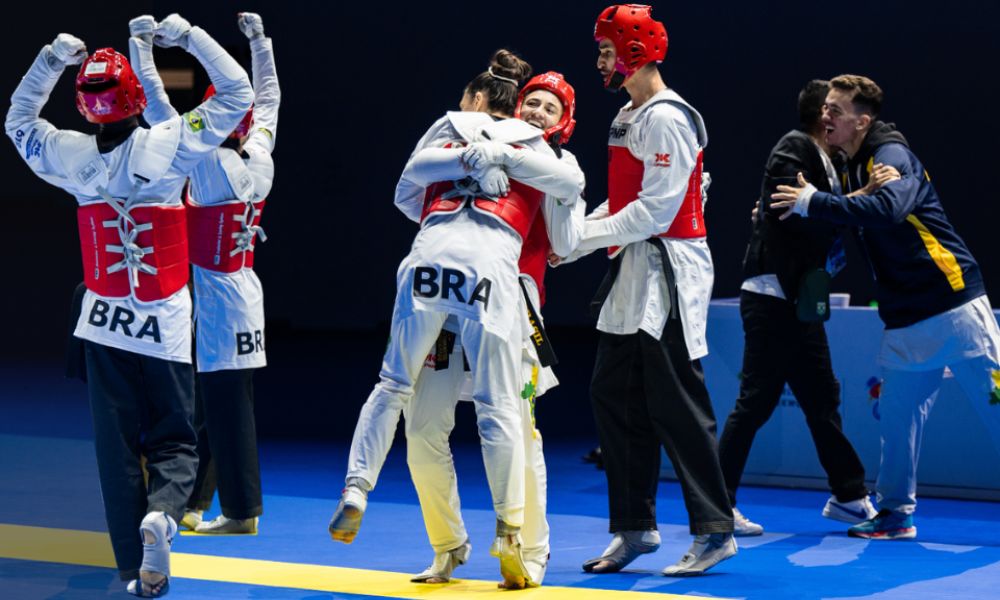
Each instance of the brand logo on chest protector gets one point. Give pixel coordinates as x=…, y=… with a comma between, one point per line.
x=428, y=283
x=617, y=132
x=122, y=320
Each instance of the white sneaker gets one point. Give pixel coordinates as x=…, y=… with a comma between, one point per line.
x=744, y=527
x=444, y=565
x=223, y=525
x=852, y=512
x=706, y=552
x=346, y=520
x=191, y=519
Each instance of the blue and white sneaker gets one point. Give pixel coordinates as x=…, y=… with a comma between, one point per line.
x=852, y=512
x=886, y=525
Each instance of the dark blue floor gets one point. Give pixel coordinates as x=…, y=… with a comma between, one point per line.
x=49, y=479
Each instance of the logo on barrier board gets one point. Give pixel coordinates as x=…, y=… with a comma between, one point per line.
x=874, y=393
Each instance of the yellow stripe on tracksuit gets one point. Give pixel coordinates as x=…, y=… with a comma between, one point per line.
x=941, y=256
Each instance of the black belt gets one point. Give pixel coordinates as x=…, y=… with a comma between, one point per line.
x=546, y=354
x=616, y=264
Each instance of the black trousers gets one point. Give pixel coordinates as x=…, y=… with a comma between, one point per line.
x=647, y=393
x=778, y=349
x=140, y=406
x=205, y=482
x=227, y=444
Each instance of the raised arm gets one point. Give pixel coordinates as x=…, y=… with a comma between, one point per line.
x=211, y=122
x=33, y=136
x=267, y=94
x=140, y=46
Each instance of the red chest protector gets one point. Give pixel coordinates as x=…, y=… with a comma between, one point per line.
x=222, y=236
x=517, y=209
x=144, y=255
x=535, y=256
x=625, y=173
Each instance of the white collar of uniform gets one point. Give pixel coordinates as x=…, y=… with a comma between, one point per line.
x=669, y=95
x=477, y=127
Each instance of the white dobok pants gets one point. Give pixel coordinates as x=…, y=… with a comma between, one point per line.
x=430, y=418
x=495, y=367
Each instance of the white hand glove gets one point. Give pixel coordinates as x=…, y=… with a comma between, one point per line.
x=492, y=181
x=480, y=155
x=68, y=49
x=251, y=25
x=172, y=31
x=142, y=28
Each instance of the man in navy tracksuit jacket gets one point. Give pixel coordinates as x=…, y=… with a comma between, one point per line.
x=930, y=292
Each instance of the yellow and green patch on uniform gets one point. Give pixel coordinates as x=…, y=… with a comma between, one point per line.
x=194, y=121
x=995, y=393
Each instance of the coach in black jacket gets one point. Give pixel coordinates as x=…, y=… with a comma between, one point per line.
x=780, y=348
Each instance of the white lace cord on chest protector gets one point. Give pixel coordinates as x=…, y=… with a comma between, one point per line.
x=128, y=231
x=467, y=189
x=246, y=237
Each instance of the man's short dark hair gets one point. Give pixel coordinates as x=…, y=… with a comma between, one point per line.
x=867, y=95
x=811, y=100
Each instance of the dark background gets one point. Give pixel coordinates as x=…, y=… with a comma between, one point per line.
x=362, y=81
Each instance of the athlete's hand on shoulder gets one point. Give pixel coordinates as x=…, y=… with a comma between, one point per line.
x=68, y=49
x=142, y=27
x=251, y=25
x=172, y=31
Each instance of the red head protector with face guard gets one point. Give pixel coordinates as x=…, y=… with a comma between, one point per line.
x=555, y=83
x=638, y=39
x=107, y=89
x=246, y=122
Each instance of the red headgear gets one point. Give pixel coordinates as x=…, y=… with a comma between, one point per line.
x=107, y=89
x=245, y=123
x=555, y=83
x=638, y=39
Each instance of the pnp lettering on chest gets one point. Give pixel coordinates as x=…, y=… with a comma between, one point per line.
x=617, y=132
x=248, y=342
x=122, y=321
x=428, y=283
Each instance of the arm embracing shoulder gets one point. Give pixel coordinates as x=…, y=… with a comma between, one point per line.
x=889, y=205
x=409, y=191
x=545, y=172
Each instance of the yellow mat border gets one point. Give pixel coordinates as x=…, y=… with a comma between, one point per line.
x=89, y=548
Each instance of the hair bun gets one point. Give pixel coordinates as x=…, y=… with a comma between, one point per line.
x=507, y=64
